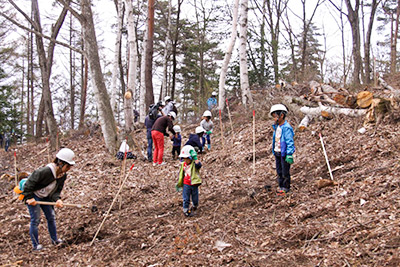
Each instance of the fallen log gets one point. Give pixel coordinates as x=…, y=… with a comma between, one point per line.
x=364, y=99
x=304, y=122
x=332, y=110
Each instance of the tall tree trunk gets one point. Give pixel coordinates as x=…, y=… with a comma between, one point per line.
x=46, y=62
x=174, y=48
x=244, y=75
x=353, y=17
x=84, y=81
x=142, y=99
x=393, y=44
x=164, y=91
x=367, y=45
x=107, y=121
x=29, y=126
x=72, y=74
x=275, y=10
x=228, y=55
x=117, y=53
x=132, y=68
x=149, y=55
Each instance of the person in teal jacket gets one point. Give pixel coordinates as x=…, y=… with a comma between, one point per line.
x=282, y=147
x=189, y=179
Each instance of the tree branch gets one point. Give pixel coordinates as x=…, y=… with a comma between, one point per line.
x=40, y=34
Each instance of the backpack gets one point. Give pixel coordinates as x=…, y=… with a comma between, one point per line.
x=153, y=111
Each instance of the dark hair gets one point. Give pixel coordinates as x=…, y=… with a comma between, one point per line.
x=279, y=112
x=59, y=162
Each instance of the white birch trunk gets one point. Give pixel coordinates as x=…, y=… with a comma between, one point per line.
x=166, y=51
x=142, y=99
x=132, y=68
x=244, y=74
x=228, y=55
x=345, y=111
x=115, y=72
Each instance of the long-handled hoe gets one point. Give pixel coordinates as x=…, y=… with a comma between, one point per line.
x=93, y=208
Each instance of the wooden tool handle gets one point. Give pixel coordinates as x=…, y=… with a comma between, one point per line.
x=54, y=203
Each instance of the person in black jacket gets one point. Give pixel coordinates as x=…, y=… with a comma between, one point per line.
x=195, y=139
x=46, y=184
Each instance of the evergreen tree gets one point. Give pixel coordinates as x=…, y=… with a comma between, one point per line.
x=312, y=57
x=9, y=114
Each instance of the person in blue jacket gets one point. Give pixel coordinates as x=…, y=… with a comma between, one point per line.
x=282, y=147
x=212, y=101
x=195, y=139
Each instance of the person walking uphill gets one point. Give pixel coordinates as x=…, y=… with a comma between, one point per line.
x=208, y=126
x=157, y=133
x=46, y=184
x=189, y=179
x=282, y=147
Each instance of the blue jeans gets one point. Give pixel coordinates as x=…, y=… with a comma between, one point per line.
x=283, y=171
x=149, y=146
x=48, y=211
x=190, y=191
x=7, y=145
x=206, y=137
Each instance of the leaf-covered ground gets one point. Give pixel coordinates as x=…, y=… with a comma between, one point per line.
x=241, y=221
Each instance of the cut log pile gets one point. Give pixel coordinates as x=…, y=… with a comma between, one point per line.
x=328, y=102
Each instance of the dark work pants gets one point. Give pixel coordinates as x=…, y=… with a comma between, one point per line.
x=283, y=171
x=177, y=150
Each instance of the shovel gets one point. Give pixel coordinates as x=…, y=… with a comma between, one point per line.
x=92, y=208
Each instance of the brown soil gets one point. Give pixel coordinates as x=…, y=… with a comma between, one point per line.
x=353, y=224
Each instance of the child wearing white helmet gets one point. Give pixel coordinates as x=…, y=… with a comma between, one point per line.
x=195, y=140
x=208, y=126
x=176, y=141
x=212, y=101
x=189, y=179
x=46, y=184
x=282, y=147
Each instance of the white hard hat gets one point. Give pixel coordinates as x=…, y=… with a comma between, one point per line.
x=278, y=107
x=167, y=98
x=214, y=94
x=172, y=114
x=185, y=152
x=200, y=129
x=177, y=128
x=207, y=113
x=67, y=155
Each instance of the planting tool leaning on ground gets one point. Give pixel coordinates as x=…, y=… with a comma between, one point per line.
x=112, y=204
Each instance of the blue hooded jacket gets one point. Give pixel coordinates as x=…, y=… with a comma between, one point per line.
x=287, y=141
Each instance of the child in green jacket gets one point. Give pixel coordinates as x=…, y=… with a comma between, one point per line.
x=189, y=179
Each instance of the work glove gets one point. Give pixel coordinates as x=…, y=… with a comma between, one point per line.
x=178, y=188
x=289, y=159
x=193, y=154
x=209, y=132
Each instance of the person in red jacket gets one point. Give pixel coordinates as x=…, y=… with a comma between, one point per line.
x=158, y=131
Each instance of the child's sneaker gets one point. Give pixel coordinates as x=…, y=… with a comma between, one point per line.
x=162, y=163
x=38, y=247
x=57, y=242
x=192, y=210
x=154, y=164
x=187, y=213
